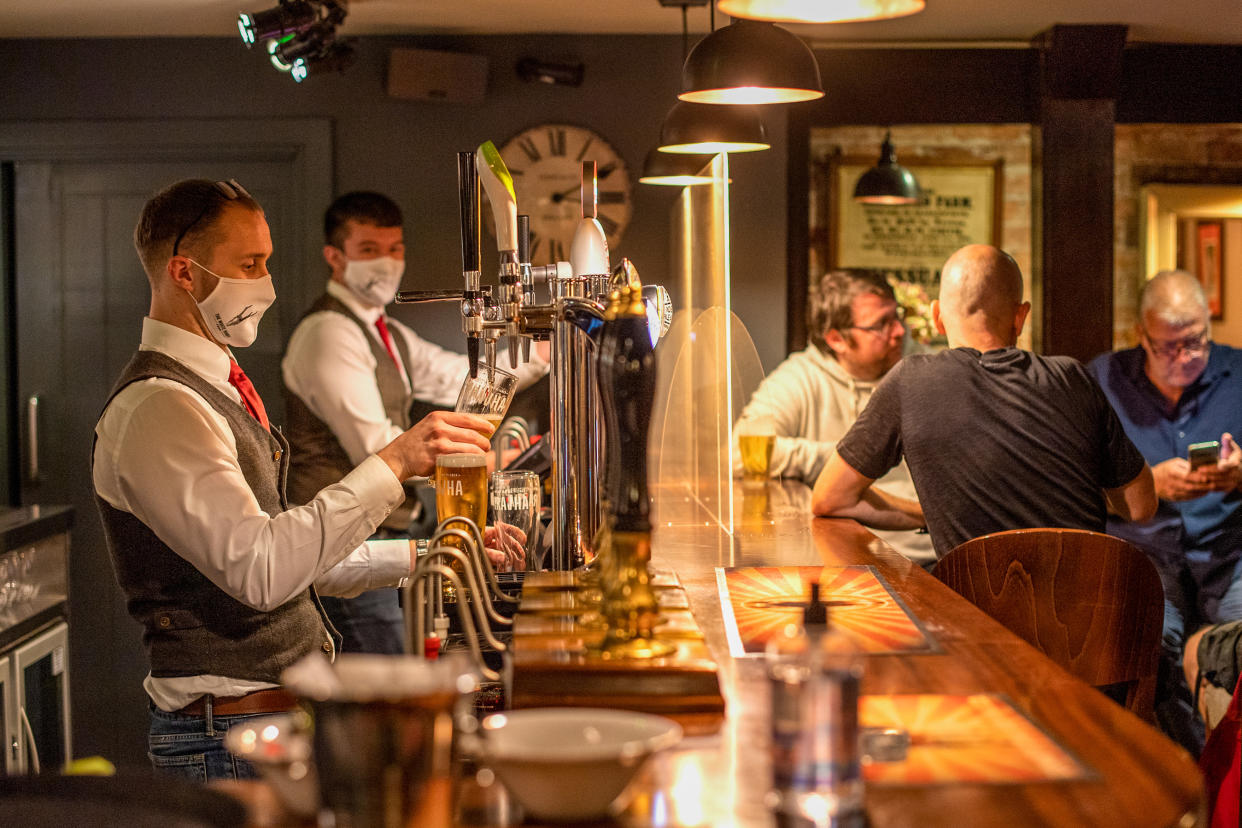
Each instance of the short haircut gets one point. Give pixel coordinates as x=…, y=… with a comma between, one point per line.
x=183, y=215
x=831, y=306
x=1175, y=297
x=363, y=207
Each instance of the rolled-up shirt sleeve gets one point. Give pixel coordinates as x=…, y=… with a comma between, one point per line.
x=163, y=455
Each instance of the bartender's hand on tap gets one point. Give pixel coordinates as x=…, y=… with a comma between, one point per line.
x=414, y=452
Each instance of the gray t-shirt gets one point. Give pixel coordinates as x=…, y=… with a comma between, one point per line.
x=1005, y=439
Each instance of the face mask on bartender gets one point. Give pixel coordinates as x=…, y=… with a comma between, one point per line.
x=234, y=307
x=375, y=281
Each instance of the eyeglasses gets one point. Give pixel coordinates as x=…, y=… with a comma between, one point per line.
x=885, y=325
x=1196, y=344
x=230, y=189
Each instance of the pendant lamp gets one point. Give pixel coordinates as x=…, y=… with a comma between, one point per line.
x=699, y=128
x=750, y=62
x=675, y=169
x=820, y=11
x=887, y=182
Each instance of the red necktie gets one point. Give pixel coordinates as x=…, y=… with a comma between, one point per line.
x=249, y=396
x=386, y=338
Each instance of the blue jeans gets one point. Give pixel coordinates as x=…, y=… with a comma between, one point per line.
x=192, y=747
x=370, y=623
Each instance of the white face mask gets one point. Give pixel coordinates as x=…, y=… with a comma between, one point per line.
x=374, y=281
x=234, y=307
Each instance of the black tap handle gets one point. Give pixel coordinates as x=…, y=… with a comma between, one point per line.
x=472, y=352
x=468, y=197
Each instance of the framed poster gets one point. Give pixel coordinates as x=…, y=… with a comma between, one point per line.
x=960, y=205
x=1209, y=253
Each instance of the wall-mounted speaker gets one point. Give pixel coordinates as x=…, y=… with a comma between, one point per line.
x=426, y=75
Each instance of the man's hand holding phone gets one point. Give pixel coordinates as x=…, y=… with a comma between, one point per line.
x=1224, y=474
x=1208, y=469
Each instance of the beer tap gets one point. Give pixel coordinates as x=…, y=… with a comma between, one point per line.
x=499, y=186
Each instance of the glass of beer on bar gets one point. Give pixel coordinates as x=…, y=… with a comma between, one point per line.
x=461, y=490
x=487, y=395
x=755, y=440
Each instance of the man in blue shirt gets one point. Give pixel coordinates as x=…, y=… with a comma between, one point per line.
x=1178, y=388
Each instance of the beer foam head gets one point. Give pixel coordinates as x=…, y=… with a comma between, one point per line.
x=461, y=461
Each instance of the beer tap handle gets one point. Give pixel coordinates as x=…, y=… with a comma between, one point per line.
x=411, y=296
x=468, y=198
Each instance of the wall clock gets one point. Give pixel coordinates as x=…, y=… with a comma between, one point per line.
x=546, y=163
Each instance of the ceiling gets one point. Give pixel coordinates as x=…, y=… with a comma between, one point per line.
x=955, y=21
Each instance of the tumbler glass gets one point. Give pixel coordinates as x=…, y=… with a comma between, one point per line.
x=514, y=500
x=756, y=440
x=487, y=395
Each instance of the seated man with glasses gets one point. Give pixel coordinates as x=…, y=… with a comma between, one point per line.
x=1178, y=388
x=812, y=398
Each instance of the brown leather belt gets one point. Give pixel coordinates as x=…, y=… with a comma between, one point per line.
x=272, y=700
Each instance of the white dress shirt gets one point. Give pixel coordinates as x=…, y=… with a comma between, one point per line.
x=164, y=455
x=330, y=366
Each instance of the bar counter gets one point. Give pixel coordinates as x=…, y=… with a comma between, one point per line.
x=1135, y=776
x=1131, y=774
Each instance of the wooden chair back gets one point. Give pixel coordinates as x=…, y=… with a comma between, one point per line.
x=1090, y=602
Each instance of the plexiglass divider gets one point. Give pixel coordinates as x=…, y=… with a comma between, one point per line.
x=707, y=365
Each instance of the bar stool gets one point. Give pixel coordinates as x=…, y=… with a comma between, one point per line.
x=1090, y=602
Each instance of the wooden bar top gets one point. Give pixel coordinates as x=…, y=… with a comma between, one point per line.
x=1133, y=776
x=1138, y=777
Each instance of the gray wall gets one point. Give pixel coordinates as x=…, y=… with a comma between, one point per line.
x=407, y=149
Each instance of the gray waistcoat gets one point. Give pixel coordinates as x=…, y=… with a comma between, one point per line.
x=190, y=626
x=318, y=460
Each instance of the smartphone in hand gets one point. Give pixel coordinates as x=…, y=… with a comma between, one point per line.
x=1203, y=454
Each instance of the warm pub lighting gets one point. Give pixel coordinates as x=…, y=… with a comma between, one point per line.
x=887, y=182
x=675, y=169
x=819, y=11
x=750, y=62
x=699, y=128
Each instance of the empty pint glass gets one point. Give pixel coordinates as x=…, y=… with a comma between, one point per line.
x=487, y=395
x=514, y=503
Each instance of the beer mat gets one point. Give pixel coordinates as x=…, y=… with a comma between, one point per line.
x=979, y=738
x=757, y=602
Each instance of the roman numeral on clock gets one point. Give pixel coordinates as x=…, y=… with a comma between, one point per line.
x=556, y=141
x=528, y=147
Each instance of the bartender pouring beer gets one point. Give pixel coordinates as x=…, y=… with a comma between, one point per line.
x=188, y=475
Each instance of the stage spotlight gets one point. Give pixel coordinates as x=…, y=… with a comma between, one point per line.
x=334, y=57
x=289, y=18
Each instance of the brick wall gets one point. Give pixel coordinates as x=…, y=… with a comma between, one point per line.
x=1168, y=154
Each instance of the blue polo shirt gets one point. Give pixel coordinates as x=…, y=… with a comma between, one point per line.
x=1206, y=527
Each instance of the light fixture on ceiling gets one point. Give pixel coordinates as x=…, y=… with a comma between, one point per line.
x=820, y=11
x=700, y=128
x=887, y=182
x=750, y=62
x=300, y=36
x=675, y=169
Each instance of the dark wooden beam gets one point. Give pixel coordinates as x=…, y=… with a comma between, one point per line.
x=1072, y=197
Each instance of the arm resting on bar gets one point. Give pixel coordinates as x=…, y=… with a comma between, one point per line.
x=841, y=491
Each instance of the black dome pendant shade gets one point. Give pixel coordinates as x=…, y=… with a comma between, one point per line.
x=887, y=182
x=750, y=62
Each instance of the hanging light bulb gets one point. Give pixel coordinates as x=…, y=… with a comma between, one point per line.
x=887, y=182
x=750, y=62
x=820, y=11
x=675, y=169
x=699, y=128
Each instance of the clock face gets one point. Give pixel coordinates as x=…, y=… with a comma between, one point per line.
x=546, y=164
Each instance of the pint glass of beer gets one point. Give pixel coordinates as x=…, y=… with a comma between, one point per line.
x=487, y=396
x=461, y=488
x=755, y=442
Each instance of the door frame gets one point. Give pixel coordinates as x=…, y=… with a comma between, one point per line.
x=305, y=143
